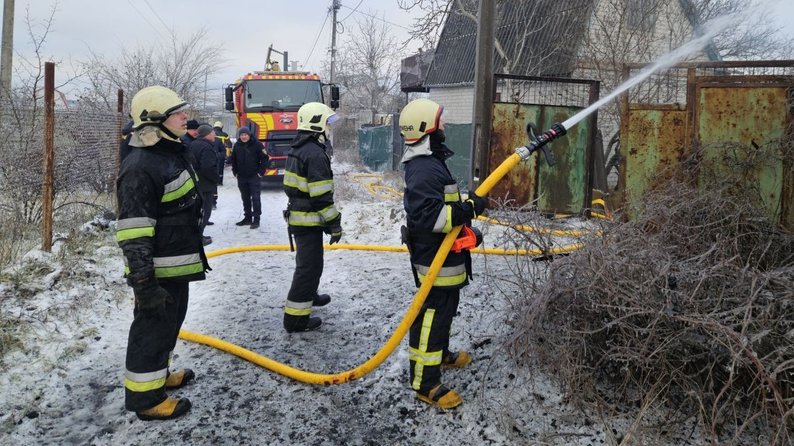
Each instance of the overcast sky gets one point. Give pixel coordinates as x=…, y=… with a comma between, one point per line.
x=243, y=29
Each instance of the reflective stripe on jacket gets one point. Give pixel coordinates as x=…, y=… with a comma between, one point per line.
x=433, y=207
x=309, y=184
x=159, y=214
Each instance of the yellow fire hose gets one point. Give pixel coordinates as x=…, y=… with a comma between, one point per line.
x=399, y=332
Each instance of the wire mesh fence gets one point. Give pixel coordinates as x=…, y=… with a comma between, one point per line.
x=669, y=86
x=85, y=168
x=543, y=90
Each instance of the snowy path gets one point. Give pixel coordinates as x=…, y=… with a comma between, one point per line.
x=79, y=400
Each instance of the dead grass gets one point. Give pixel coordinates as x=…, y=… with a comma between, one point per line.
x=688, y=309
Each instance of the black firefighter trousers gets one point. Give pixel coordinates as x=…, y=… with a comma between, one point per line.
x=306, y=279
x=428, y=339
x=151, y=341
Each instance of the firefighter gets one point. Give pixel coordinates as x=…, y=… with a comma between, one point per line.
x=309, y=185
x=433, y=206
x=158, y=231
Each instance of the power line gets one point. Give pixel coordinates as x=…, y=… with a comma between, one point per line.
x=377, y=18
x=158, y=16
x=145, y=19
x=354, y=10
x=318, y=38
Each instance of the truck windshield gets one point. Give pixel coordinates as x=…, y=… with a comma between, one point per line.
x=282, y=95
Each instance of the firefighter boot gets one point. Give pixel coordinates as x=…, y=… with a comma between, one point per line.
x=179, y=378
x=244, y=221
x=441, y=396
x=308, y=324
x=321, y=300
x=456, y=360
x=167, y=410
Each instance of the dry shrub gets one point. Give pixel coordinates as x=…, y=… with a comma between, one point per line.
x=690, y=307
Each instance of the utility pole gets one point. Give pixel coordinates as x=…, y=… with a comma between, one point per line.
x=335, y=7
x=483, y=93
x=6, y=54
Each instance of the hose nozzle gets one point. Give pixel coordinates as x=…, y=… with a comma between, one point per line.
x=538, y=142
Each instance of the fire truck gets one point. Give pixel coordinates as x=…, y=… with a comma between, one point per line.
x=267, y=102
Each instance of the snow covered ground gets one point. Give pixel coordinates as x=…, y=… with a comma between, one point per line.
x=64, y=385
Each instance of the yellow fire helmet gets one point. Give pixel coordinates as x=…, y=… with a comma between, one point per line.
x=419, y=118
x=315, y=117
x=153, y=105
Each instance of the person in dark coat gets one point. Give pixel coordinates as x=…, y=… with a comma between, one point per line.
x=192, y=129
x=203, y=149
x=248, y=166
x=433, y=206
x=311, y=211
x=124, y=146
x=223, y=145
x=159, y=210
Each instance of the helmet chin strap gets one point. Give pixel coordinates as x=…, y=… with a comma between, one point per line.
x=172, y=134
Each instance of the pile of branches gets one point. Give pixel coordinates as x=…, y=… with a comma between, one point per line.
x=688, y=306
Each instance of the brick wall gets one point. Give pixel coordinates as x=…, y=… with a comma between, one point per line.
x=458, y=102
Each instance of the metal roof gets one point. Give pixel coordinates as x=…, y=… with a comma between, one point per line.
x=539, y=37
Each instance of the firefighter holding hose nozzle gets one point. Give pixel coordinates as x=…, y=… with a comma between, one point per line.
x=433, y=206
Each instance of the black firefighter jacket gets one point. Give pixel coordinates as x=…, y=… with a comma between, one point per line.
x=248, y=158
x=159, y=213
x=206, y=164
x=309, y=184
x=433, y=207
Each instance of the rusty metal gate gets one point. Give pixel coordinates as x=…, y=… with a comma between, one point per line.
x=567, y=186
x=734, y=117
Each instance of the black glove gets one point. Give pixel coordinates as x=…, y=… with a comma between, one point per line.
x=334, y=230
x=478, y=235
x=477, y=203
x=151, y=297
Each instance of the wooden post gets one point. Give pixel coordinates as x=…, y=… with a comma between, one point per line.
x=47, y=190
x=483, y=94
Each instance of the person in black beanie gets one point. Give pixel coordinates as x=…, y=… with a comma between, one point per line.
x=206, y=166
x=192, y=129
x=248, y=164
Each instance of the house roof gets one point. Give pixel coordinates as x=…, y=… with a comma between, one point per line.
x=542, y=36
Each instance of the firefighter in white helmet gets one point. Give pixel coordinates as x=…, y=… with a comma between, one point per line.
x=433, y=206
x=309, y=185
x=158, y=231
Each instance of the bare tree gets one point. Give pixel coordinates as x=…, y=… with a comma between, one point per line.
x=182, y=66
x=427, y=27
x=370, y=67
x=756, y=37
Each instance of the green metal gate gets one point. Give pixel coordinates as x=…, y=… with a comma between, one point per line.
x=567, y=186
x=734, y=117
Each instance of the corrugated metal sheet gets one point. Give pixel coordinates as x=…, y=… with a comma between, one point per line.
x=541, y=36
